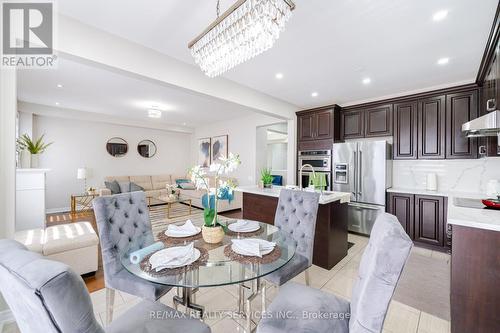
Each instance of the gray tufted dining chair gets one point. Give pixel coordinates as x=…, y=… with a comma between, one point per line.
x=48, y=296
x=296, y=218
x=379, y=271
x=124, y=226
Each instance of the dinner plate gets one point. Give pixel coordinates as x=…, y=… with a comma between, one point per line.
x=196, y=256
x=232, y=228
x=198, y=230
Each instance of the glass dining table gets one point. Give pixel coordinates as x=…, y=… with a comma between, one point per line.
x=218, y=267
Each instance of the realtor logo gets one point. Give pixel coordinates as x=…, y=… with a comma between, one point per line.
x=28, y=34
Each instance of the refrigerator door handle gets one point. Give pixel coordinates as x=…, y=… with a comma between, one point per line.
x=360, y=171
x=363, y=206
x=355, y=189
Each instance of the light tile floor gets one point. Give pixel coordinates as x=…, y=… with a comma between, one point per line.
x=401, y=318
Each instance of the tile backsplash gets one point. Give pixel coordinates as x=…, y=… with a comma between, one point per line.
x=452, y=175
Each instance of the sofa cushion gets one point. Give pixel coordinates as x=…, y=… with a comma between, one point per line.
x=143, y=181
x=187, y=186
x=113, y=186
x=161, y=181
x=192, y=193
x=134, y=187
x=33, y=239
x=65, y=237
x=124, y=187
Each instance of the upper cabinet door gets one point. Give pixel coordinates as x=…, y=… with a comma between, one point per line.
x=324, y=125
x=431, y=128
x=460, y=108
x=352, y=124
x=405, y=131
x=306, y=126
x=378, y=121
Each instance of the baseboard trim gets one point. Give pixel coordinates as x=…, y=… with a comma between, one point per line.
x=57, y=210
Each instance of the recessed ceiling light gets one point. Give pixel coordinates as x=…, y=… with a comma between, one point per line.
x=57, y=103
x=440, y=15
x=367, y=80
x=184, y=124
x=314, y=94
x=59, y=85
x=443, y=61
x=279, y=76
x=154, y=112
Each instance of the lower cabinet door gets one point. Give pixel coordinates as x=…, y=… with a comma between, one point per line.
x=429, y=220
x=402, y=206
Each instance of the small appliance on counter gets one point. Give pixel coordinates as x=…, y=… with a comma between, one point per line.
x=431, y=182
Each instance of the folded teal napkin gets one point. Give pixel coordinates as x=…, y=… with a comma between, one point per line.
x=137, y=256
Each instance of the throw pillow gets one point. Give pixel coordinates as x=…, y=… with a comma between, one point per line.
x=187, y=186
x=113, y=186
x=134, y=187
x=124, y=187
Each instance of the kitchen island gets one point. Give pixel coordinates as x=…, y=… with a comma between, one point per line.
x=330, y=240
x=475, y=267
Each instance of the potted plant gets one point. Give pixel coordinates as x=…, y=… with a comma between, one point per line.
x=266, y=178
x=212, y=231
x=24, y=143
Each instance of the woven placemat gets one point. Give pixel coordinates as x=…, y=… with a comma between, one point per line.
x=245, y=234
x=177, y=240
x=266, y=259
x=146, y=266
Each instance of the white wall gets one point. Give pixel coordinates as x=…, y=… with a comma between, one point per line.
x=242, y=140
x=8, y=100
x=83, y=144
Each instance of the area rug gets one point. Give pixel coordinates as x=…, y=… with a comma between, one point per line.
x=425, y=285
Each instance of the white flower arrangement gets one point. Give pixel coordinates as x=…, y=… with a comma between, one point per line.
x=224, y=166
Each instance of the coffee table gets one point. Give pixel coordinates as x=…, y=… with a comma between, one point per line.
x=170, y=202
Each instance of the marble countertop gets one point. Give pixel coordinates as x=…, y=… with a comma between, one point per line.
x=325, y=198
x=481, y=218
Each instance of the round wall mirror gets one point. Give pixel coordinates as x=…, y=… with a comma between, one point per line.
x=146, y=148
x=117, y=147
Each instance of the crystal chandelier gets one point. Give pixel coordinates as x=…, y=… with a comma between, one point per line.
x=245, y=30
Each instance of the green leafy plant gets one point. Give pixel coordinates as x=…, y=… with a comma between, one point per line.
x=266, y=177
x=34, y=147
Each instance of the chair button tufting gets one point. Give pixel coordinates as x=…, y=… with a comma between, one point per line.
x=111, y=220
x=120, y=230
x=294, y=210
x=129, y=239
x=131, y=201
x=135, y=225
x=115, y=247
x=116, y=204
x=139, y=211
x=303, y=235
x=126, y=215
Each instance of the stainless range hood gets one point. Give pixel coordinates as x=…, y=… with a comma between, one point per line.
x=487, y=125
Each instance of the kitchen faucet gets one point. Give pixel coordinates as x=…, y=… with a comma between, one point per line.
x=300, y=175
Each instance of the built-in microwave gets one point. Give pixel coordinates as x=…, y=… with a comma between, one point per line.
x=320, y=160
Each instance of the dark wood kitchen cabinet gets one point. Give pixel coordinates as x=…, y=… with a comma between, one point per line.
x=460, y=108
x=429, y=220
x=405, y=130
x=431, y=127
x=378, y=121
x=352, y=124
x=305, y=123
x=422, y=216
x=402, y=205
x=318, y=128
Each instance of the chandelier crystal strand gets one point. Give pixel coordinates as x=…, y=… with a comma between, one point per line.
x=246, y=32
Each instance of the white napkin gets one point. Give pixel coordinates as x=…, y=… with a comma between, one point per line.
x=254, y=247
x=244, y=226
x=185, y=230
x=172, y=257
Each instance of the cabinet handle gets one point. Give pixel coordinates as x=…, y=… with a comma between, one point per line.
x=491, y=105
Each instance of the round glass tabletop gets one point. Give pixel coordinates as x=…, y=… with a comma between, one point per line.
x=219, y=269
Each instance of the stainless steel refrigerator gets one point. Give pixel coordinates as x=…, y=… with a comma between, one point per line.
x=363, y=169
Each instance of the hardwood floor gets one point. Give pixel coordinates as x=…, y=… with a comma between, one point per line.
x=95, y=281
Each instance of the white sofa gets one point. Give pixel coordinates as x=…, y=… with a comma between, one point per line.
x=74, y=244
x=155, y=186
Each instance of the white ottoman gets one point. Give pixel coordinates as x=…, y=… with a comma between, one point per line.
x=74, y=244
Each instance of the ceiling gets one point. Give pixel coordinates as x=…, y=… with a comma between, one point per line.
x=328, y=47
x=97, y=90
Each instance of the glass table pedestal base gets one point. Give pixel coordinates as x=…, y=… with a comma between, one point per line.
x=187, y=299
